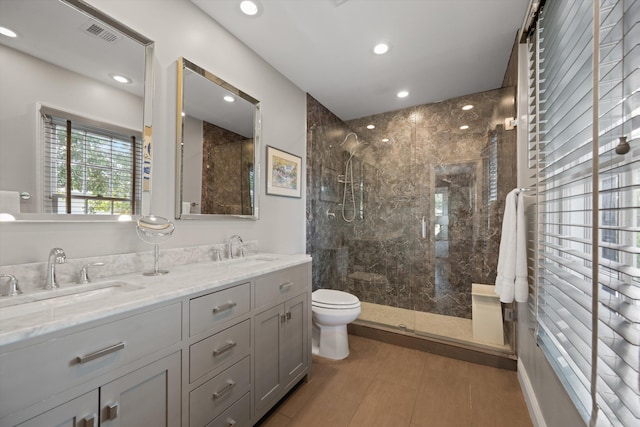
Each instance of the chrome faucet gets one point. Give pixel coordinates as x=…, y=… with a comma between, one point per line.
x=84, y=273
x=233, y=239
x=14, y=289
x=56, y=256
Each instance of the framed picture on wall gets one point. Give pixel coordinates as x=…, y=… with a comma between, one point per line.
x=283, y=173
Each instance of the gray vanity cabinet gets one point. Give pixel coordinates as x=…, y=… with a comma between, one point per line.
x=80, y=412
x=126, y=372
x=146, y=397
x=281, y=343
x=218, y=357
x=219, y=374
x=149, y=396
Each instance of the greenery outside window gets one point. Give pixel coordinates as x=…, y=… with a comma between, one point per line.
x=90, y=168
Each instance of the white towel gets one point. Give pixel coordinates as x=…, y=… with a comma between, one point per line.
x=186, y=208
x=9, y=202
x=521, y=283
x=511, y=281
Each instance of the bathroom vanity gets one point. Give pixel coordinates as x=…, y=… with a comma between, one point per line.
x=210, y=344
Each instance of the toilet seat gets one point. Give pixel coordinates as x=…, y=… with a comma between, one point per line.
x=335, y=300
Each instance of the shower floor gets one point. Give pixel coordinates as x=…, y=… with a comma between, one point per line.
x=448, y=328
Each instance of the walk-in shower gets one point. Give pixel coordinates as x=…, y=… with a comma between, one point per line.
x=421, y=203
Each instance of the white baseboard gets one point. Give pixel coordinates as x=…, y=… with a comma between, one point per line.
x=529, y=397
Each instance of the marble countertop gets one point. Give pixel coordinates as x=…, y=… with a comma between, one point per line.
x=45, y=311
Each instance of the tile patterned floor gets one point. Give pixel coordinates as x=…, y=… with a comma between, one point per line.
x=382, y=385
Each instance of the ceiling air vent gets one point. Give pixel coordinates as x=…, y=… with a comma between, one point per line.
x=101, y=31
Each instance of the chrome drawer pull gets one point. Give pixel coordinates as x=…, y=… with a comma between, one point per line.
x=224, y=348
x=111, y=412
x=231, y=422
x=90, y=421
x=285, y=286
x=226, y=389
x=223, y=307
x=96, y=354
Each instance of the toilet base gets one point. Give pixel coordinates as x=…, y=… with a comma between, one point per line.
x=331, y=342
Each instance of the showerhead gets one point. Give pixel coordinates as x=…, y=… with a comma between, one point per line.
x=351, y=149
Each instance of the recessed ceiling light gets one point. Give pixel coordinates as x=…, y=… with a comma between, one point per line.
x=403, y=94
x=381, y=48
x=7, y=32
x=249, y=7
x=464, y=127
x=385, y=139
x=120, y=79
x=371, y=127
x=467, y=107
x=229, y=98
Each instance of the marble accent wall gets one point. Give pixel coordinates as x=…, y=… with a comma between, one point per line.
x=416, y=163
x=227, y=164
x=325, y=228
x=31, y=277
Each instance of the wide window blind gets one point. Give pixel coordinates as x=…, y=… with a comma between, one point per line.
x=588, y=276
x=618, y=382
x=89, y=168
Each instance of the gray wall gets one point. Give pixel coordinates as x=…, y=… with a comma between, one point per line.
x=179, y=28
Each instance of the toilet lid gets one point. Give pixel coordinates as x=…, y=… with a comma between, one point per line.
x=329, y=298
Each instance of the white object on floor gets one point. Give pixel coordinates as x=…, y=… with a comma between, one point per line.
x=332, y=311
x=9, y=202
x=511, y=281
x=486, y=314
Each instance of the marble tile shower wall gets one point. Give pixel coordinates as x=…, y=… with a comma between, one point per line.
x=227, y=162
x=417, y=163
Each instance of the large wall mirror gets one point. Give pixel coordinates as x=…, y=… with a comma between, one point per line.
x=218, y=130
x=75, y=113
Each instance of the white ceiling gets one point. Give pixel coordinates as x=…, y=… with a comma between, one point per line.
x=57, y=33
x=440, y=49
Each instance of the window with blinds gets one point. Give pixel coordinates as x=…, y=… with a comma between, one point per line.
x=89, y=168
x=588, y=258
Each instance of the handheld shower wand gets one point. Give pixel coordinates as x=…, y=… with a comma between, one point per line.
x=348, y=180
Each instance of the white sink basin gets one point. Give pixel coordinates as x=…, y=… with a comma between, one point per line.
x=63, y=300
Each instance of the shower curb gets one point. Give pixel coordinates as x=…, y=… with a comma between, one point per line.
x=429, y=345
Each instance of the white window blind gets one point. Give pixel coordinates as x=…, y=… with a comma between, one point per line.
x=89, y=168
x=588, y=275
x=618, y=382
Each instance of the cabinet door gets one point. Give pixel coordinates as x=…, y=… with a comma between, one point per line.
x=268, y=332
x=149, y=396
x=79, y=412
x=295, y=340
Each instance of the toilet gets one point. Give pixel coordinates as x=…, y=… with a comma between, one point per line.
x=332, y=311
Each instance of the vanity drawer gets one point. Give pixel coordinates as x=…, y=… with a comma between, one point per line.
x=278, y=287
x=209, y=311
x=36, y=372
x=222, y=349
x=239, y=414
x=219, y=393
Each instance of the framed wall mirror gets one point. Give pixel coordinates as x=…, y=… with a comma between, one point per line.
x=217, y=147
x=75, y=108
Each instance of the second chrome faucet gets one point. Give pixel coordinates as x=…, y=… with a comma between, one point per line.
x=56, y=256
x=232, y=239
